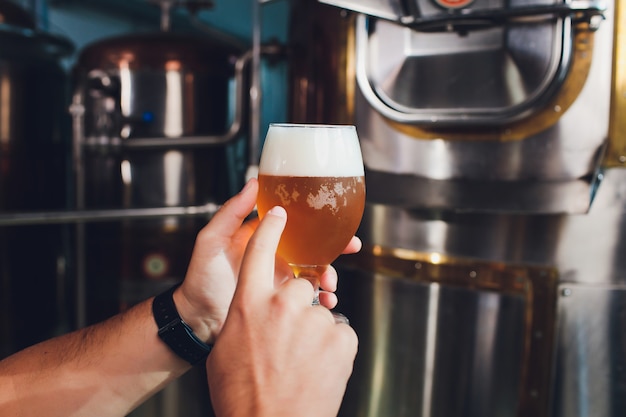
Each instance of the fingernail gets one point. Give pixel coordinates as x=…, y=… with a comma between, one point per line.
x=246, y=186
x=278, y=211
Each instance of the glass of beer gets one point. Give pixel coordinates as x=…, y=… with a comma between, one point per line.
x=315, y=172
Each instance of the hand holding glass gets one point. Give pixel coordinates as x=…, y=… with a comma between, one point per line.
x=316, y=173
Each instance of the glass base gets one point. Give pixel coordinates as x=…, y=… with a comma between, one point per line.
x=312, y=274
x=340, y=318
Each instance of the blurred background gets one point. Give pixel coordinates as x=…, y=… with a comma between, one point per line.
x=492, y=281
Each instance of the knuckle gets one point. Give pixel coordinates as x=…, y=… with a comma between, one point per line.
x=293, y=296
x=300, y=289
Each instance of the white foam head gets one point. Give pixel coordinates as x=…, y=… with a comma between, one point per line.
x=302, y=150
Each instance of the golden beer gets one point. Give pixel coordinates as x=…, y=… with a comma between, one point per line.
x=316, y=173
x=323, y=213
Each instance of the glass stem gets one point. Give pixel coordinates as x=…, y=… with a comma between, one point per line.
x=311, y=273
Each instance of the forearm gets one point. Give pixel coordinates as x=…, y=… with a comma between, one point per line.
x=105, y=370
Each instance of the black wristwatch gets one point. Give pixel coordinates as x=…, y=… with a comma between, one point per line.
x=175, y=332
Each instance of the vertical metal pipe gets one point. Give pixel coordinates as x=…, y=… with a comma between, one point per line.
x=431, y=349
x=77, y=110
x=255, y=91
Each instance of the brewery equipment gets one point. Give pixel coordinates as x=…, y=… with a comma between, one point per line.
x=157, y=123
x=34, y=168
x=151, y=109
x=491, y=281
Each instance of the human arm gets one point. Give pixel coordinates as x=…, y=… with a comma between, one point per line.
x=110, y=368
x=277, y=355
x=106, y=369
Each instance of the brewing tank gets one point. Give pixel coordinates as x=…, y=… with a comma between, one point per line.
x=490, y=281
x=157, y=123
x=34, y=176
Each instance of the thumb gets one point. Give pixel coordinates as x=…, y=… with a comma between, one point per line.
x=257, y=268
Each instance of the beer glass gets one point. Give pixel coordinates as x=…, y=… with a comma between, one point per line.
x=315, y=172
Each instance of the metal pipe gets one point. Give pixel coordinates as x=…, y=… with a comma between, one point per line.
x=83, y=216
x=255, y=92
x=77, y=110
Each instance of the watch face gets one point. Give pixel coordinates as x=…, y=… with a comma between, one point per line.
x=453, y=4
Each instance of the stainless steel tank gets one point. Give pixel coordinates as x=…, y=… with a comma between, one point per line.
x=157, y=124
x=34, y=176
x=490, y=283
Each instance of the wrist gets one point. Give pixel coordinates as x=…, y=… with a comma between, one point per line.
x=203, y=326
x=175, y=332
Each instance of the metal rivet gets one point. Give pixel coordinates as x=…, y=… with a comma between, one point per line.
x=473, y=274
x=566, y=292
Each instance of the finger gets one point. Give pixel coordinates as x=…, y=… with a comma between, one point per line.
x=257, y=268
x=298, y=292
x=232, y=214
x=328, y=299
x=354, y=245
x=325, y=314
x=328, y=280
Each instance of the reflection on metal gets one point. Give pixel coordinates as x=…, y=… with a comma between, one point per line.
x=172, y=175
x=485, y=78
x=84, y=216
x=174, y=135
x=454, y=169
x=431, y=348
x=172, y=126
x=616, y=153
x=386, y=292
x=322, y=77
x=590, y=367
x=482, y=196
x=540, y=119
x=5, y=109
x=528, y=196
x=520, y=298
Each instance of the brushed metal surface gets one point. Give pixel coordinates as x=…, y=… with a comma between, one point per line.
x=590, y=366
x=489, y=76
x=431, y=350
x=447, y=336
x=566, y=151
x=529, y=195
x=586, y=247
x=583, y=372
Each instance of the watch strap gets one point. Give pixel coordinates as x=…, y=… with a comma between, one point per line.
x=173, y=330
